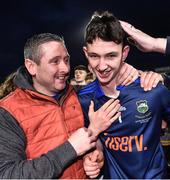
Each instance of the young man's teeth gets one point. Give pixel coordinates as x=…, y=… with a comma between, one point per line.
x=105, y=72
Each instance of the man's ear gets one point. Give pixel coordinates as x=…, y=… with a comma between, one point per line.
x=31, y=66
x=85, y=51
x=126, y=50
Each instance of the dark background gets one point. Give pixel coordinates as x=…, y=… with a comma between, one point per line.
x=20, y=19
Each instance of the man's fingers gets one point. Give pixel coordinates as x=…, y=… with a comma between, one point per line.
x=93, y=174
x=115, y=117
x=130, y=79
x=91, y=108
x=150, y=79
x=143, y=77
x=155, y=83
x=126, y=26
x=113, y=107
x=113, y=111
x=154, y=80
x=147, y=80
x=94, y=155
x=89, y=165
x=107, y=104
x=127, y=75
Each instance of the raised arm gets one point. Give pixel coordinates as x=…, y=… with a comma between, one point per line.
x=145, y=42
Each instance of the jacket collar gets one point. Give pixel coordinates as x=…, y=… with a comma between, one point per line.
x=23, y=79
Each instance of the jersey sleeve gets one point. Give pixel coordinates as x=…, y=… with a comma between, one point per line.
x=85, y=103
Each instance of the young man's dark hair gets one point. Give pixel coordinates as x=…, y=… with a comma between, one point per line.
x=104, y=26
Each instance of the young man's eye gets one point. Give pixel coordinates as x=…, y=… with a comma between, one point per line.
x=111, y=56
x=93, y=56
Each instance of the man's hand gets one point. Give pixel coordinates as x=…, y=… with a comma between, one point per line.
x=143, y=41
x=150, y=79
x=138, y=38
x=93, y=162
x=126, y=75
x=82, y=140
x=101, y=119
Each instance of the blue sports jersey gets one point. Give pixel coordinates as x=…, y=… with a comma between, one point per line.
x=132, y=144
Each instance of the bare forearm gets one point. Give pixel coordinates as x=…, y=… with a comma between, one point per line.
x=160, y=45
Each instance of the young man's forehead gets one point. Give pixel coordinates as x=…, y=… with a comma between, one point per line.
x=99, y=43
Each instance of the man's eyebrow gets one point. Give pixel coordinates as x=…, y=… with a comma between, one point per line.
x=58, y=57
x=54, y=58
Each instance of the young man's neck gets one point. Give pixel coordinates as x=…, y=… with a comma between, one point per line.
x=110, y=89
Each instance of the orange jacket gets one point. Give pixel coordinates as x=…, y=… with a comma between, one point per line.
x=47, y=123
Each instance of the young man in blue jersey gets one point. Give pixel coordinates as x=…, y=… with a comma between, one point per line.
x=132, y=143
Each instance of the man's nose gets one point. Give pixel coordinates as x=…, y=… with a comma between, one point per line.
x=64, y=67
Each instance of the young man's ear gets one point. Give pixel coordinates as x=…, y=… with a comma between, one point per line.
x=126, y=50
x=31, y=66
x=85, y=51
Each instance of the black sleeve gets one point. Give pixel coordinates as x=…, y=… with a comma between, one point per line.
x=166, y=80
x=167, y=52
x=13, y=160
x=165, y=103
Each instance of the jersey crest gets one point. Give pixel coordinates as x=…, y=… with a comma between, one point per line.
x=142, y=106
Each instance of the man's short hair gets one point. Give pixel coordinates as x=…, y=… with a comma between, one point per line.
x=104, y=26
x=32, y=48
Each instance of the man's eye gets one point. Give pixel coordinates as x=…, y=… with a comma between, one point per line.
x=67, y=60
x=55, y=62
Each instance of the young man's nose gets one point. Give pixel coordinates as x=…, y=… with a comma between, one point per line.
x=102, y=64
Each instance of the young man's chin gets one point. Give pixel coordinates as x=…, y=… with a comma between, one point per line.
x=104, y=83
